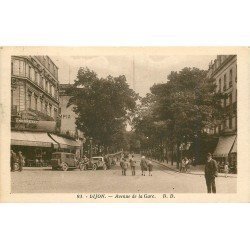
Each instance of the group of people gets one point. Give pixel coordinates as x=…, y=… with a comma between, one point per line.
x=17, y=161
x=185, y=164
x=125, y=162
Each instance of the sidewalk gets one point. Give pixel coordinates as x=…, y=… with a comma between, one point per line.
x=37, y=168
x=194, y=170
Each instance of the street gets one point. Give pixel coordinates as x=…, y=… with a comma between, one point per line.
x=111, y=181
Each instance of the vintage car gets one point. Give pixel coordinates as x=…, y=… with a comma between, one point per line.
x=98, y=162
x=65, y=161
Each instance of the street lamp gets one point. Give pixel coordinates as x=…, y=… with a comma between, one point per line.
x=90, y=141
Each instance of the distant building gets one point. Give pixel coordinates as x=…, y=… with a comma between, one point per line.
x=67, y=115
x=223, y=70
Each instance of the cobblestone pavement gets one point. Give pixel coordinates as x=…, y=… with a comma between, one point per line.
x=164, y=180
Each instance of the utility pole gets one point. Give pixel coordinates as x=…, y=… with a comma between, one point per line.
x=69, y=74
x=133, y=73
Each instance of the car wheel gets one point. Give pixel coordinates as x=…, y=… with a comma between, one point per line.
x=82, y=167
x=64, y=166
x=94, y=167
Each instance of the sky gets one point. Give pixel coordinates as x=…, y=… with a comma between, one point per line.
x=141, y=71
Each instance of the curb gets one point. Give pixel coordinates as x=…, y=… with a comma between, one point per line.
x=192, y=173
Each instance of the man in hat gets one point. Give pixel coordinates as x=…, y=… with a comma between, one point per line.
x=211, y=172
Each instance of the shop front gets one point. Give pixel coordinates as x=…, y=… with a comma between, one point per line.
x=226, y=149
x=36, y=147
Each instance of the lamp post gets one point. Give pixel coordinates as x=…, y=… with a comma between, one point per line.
x=90, y=141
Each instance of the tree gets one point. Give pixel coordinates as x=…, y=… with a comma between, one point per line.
x=103, y=106
x=185, y=105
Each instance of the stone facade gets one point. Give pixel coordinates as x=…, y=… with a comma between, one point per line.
x=34, y=86
x=223, y=70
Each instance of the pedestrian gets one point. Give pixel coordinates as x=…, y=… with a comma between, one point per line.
x=13, y=160
x=143, y=165
x=211, y=172
x=21, y=161
x=126, y=165
x=226, y=169
x=183, y=165
x=186, y=164
x=150, y=168
x=123, y=166
x=132, y=164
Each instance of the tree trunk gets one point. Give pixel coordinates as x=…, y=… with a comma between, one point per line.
x=178, y=155
x=172, y=155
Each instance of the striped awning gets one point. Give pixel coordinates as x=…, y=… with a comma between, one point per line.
x=224, y=146
x=234, y=149
x=64, y=142
x=33, y=139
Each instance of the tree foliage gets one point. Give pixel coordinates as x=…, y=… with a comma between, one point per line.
x=181, y=108
x=103, y=106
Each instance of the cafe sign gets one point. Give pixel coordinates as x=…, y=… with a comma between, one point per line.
x=26, y=121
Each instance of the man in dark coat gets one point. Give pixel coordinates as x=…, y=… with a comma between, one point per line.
x=132, y=165
x=211, y=172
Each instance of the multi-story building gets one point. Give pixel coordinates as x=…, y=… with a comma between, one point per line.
x=35, y=118
x=223, y=70
x=34, y=87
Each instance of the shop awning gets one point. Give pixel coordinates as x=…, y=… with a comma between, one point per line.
x=234, y=149
x=33, y=139
x=64, y=142
x=224, y=146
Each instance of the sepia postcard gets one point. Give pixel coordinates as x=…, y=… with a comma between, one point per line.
x=124, y=124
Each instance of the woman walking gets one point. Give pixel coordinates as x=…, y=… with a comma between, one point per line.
x=150, y=168
x=143, y=165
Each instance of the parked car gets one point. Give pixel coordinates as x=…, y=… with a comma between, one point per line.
x=98, y=162
x=65, y=161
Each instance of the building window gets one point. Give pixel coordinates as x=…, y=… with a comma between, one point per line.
x=220, y=85
x=230, y=123
x=29, y=100
x=225, y=82
x=230, y=99
x=36, y=98
x=230, y=78
x=12, y=98
x=225, y=102
x=55, y=114
x=236, y=73
x=41, y=105
x=29, y=72
x=44, y=83
x=50, y=91
x=36, y=80
x=16, y=67
x=46, y=86
x=21, y=68
x=41, y=81
x=46, y=108
x=50, y=110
